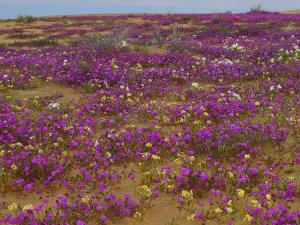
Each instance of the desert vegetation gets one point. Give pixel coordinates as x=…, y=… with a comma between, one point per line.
x=150, y=119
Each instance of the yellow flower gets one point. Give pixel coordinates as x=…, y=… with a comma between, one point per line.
x=85, y=199
x=218, y=210
x=191, y=217
x=241, y=193
x=139, y=67
x=187, y=195
x=27, y=207
x=148, y=145
x=192, y=158
x=170, y=186
x=137, y=215
x=230, y=175
x=2, y=153
x=246, y=156
x=13, y=166
x=248, y=218
x=229, y=203
x=145, y=190
x=256, y=204
x=155, y=157
x=257, y=103
x=60, y=139
x=291, y=178
x=55, y=144
x=268, y=196
x=12, y=207
x=178, y=162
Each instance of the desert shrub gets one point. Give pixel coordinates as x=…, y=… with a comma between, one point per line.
x=175, y=39
x=98, y=41
x=256, y=9
x=117, y=39
x=25, y=19
x=217, y=19
x=243, y=29
x=158, y=36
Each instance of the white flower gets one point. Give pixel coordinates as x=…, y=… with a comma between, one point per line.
x=65, y=62
x=87, y=128
x=96, y=143
x=272, y=88
x=237, y=96
x=55, y=105
x=235, y=47
x=195, y=85
x=225, y=62
x=123, y=44
x=279, y=86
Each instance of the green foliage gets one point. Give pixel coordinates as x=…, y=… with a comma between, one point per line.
x=88, y=87
x=243, y=29
x=25, y=19
x=3, y=45
x=292, y=54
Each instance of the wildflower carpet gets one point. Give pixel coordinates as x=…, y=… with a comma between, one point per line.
x=150, y=119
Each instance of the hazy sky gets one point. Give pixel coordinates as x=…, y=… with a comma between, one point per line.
x=13, y=8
